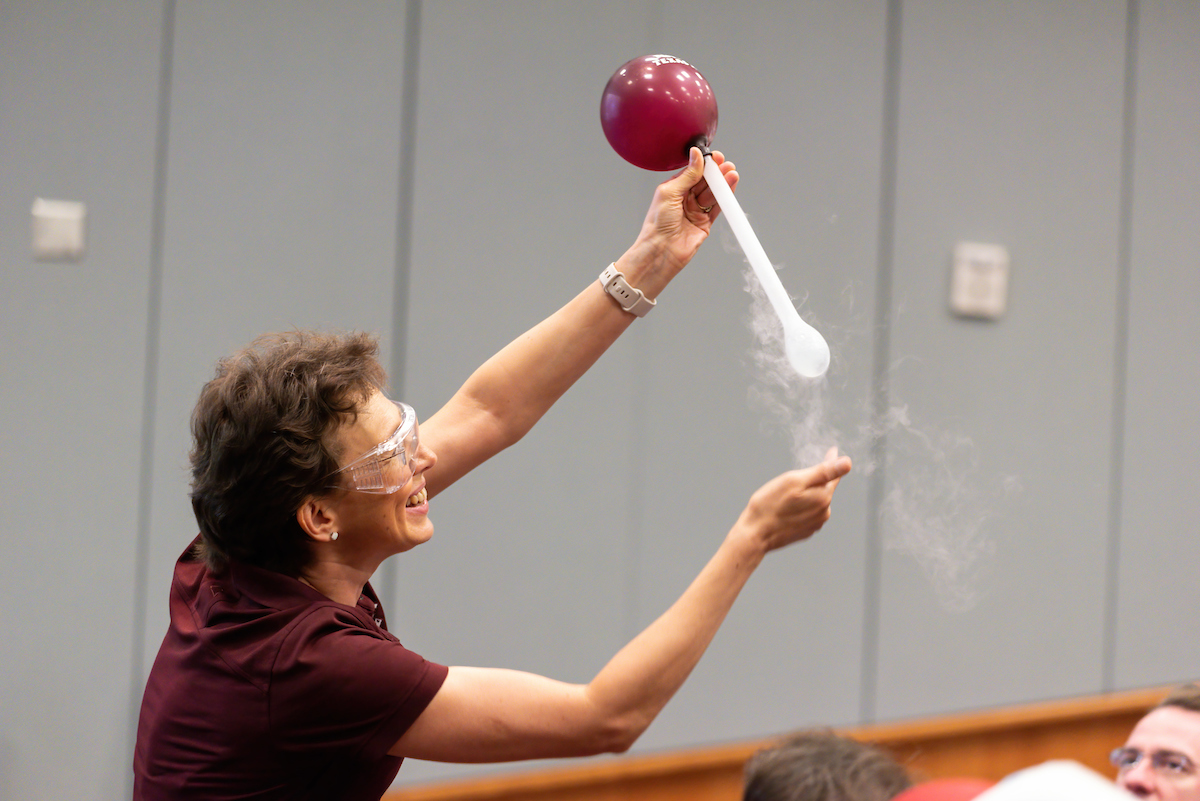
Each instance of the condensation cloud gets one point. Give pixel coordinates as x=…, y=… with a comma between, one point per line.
x=938, y=508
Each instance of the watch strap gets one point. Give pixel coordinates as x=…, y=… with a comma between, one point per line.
x=629, y=298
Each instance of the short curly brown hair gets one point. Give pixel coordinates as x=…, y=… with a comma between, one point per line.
x=261, y=442
x=819, y=765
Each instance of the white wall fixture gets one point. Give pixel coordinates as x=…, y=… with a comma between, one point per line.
x=58, y=229
x=979, y=281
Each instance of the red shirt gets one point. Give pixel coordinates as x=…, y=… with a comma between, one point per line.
x=264, y=688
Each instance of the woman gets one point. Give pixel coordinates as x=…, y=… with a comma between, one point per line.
x=278, y=677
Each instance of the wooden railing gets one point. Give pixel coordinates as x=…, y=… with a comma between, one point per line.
x=986, y=744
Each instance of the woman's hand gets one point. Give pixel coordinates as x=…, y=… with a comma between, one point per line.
x=680, y=217
x=793, y=506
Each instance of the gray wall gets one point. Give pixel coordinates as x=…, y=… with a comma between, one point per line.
x=1018, y=524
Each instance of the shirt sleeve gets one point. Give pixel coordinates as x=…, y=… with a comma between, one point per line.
x=339, y=686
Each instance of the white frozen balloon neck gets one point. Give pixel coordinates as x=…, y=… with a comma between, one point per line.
x=807, y=351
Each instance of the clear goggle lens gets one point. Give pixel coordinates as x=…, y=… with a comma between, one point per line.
x=389, y=465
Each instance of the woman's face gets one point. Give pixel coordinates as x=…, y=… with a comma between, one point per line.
x=377, y=525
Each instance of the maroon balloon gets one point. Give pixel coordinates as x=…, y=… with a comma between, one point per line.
x=655, y=108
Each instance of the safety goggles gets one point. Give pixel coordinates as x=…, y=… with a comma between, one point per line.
x=389, y=465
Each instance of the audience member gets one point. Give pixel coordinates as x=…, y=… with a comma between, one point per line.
x=819, y=765
x=1160, y=758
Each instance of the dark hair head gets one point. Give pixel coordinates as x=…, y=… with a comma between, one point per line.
x=1185, y=696
x=822, y=766
x=262, y=442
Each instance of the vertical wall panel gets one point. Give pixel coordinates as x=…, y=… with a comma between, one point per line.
x=799, y=88
x=78, y=88
x=519, y=204
x=1010, y=132
x=617, y=499
x=1161, y=471
x=280, y=209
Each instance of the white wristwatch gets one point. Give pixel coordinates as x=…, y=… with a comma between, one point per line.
x=629, y=298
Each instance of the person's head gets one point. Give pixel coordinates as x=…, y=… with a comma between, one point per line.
x=822, y=766
x=267, y=436
x=1161, y=757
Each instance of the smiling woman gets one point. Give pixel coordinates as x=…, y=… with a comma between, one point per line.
x=279, y=678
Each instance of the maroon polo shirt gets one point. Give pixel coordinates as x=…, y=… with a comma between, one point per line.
x=264, y=688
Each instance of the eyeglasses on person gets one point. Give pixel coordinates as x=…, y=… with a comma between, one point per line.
x=1166, y=763
x=388, y=466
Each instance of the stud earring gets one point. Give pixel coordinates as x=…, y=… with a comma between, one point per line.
x=333, y=536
